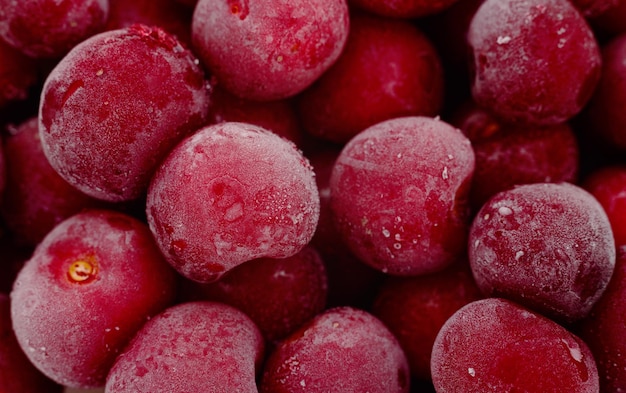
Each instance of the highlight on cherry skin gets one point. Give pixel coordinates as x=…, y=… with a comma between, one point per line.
x=312, y=196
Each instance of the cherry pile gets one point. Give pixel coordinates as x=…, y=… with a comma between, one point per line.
x=313, y=196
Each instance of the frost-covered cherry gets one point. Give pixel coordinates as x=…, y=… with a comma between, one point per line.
x=399, y=194
x=90, y=285
x=269, y=49
x=50, y=28
x=535, y=61
x=388, y=69
x=37, y=198
x=278, y=294
x=509, y=154
x=191, y=347
x=415, y=308
x=342, y=350
x=548, y=246
x=230, y=193
x=494, y=345
x=116, y=105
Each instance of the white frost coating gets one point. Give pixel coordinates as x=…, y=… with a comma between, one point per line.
x=503, y=40
x=518, y=255
x=505, y=211
x=575, y=351
x=471, y=372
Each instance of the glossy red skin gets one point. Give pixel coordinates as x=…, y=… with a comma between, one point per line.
x=399, y=195
x=73, y=330
x=271, y=49
x=191, y=347
x=415, y=308
x=107, y=123
x=278, y=116
x=17, y=373
x=37, y=198
x=342, y=350
x=167, y=14
x=408, y=9
x=533, y=61
x=388, y=69
x=494, y=346
x=511, y=154
x=18, y=75
x=230, y=193
x=608, y=186
x=605, y=113
x=603, y=330
x=49, y=28
x=547, y=246
x=279, y=295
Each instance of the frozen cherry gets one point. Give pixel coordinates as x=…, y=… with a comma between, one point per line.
x=191, y=347
x=270, y=49
x=415, y=308
x=90, y=285
x=399, y=194
x=534, y=61
x=115, y=105
x=509, y=154
x=18, y=74
x=494, y=345
x=547, y=246
x=230, y=193
x=50, y=28
x=342, y=350
x=279, y=295
x=37, y=198
x=608, y=185
x=388, y=69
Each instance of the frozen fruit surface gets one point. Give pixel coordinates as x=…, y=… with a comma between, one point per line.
x=37, y=198
x=603, y=330
x=509, y=154
x=494, y=345
x=399, y=194
x=270, y=49
x=547, y=246
x=533, y=61
x=115, y=105
x=344, y=350
x=279, y=295
x=605, y=113
x=17, y=373
x=415, y=308
x=191, y=347
x=50, y=28
x=403, y=8
x=388, y=69
x=230, y=193
x=88, y=288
